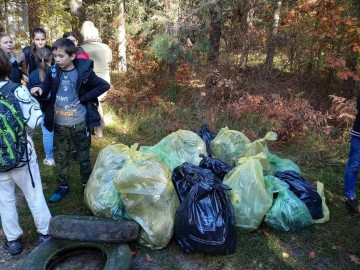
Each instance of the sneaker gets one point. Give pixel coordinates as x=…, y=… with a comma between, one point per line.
x=43, y=238
x=59, y=194
x=14, y=247
x=352, y=205
x=49, y=162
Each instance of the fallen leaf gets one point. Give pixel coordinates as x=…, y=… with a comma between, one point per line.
x=312, y=255
x=354, y=259
x=148, y=258
x=285, y=255
x=265, y=233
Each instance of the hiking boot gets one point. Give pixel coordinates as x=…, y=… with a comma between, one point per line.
x=352, y=205
x=43, y=238
x=59, y=194
x=49, y=162
x=14, y=247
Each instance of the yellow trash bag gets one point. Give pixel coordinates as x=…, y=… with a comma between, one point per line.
x=260, y=146
x=228, y=144
x=325, y=208
x=148, y=196
x=178, y=147
x=249, y=196
x=100, y=195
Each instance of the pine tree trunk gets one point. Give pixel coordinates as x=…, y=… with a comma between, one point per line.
x=269, y=62
x=214, y=33
x=249, y=21
x=122, y=39
x=34, y=15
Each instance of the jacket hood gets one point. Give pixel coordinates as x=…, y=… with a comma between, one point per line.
x=84, y=67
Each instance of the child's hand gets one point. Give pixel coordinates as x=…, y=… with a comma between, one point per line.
x=36, y=91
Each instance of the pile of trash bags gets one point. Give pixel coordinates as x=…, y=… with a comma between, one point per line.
x=202, y=186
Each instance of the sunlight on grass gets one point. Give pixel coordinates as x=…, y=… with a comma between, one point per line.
x=128, y=125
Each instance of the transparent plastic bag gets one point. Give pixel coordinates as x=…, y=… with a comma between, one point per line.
x=249, y=196
x=149, y=197
x=282, y=164
x=288, y=212
x=228, y=144
x=100, y=195
x=325, y=208
x=178, y=147
x=260, y=146
x=304, y=191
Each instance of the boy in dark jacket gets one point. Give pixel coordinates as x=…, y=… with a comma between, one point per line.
x=72, y=88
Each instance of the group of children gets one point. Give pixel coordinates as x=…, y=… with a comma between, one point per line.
x=61, y=79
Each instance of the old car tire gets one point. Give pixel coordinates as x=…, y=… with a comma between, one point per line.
x=118, y=256
x=93, y=229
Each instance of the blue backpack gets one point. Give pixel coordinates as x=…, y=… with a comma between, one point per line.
x=13, y=141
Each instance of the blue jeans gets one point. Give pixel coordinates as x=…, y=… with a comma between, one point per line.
x=48, y=141
x=352, y=168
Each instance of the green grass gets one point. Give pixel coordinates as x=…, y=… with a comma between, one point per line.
x=318, y=158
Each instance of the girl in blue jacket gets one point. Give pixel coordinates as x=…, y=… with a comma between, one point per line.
x=43, y=58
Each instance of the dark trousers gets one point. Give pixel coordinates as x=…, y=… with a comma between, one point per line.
x=80, y=136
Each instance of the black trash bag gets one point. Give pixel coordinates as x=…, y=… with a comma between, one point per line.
x=184, y=177
x=207, y=136
x=205, y=220
x=217, y=166
x=304, y=191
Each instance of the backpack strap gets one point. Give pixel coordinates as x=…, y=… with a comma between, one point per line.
x=9, y=87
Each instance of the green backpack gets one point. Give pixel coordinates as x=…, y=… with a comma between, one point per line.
x=13, y=141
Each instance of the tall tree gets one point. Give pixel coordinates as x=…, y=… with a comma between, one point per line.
x=214, y=32
x=122, y=38
x=270, y=50
x=34, y=12
x=249, y=24
x=25, y=15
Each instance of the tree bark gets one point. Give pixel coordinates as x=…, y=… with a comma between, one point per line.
x=25, y=15
x=269, y=62
x=249, y=21
x=34, y=15
x=122, y=39
x=214, y=33
x=5, y=18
